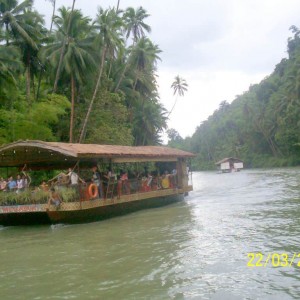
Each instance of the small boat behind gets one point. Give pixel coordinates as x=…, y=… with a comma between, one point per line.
x=88, y=182
x=230, y=164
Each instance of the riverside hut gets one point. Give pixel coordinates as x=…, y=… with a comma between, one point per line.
x=230, y=164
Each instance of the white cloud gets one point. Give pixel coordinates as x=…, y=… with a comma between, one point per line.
x=205, y=92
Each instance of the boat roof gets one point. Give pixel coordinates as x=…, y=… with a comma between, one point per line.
x=33, y=152
x=227, y=159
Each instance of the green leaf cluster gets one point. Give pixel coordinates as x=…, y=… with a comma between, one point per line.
x=83, y=80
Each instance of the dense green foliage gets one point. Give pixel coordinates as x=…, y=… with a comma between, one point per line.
x=83, y=80
x=261, y=126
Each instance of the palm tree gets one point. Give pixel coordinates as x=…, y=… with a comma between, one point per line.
x=149, y=122
x=12, y=19
x=10, y=66
x=78, y=59
x=179, y=86
x=23, y=27
x=135, y=26
x=143, y=59
x=35, y=29
x=53, y=13
x=109, y=24
x=134, y=20
x=62, y=51
x=223, y=106
x=118, y=5
x=144, y=56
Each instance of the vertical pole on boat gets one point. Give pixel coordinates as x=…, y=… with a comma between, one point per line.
x=191, y=170
x=110, y=164
x=79, y=187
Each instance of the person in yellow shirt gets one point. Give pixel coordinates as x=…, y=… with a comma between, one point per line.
x=165, y=182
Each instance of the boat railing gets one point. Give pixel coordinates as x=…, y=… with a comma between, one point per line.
x=116, y=188
x=34, y=195
x=23, y=197
x=83, y=192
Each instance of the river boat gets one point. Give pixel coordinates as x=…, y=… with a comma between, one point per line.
x=82, y=203
x=230, y=164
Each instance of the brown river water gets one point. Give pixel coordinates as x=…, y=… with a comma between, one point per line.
x=196, y=249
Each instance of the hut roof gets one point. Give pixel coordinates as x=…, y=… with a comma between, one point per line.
x=39, y=152
x=228, y=159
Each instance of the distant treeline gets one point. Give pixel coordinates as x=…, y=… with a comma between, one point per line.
x=80, y=80
x=261, y=126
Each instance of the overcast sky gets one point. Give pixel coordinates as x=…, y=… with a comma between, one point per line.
x=220, y=47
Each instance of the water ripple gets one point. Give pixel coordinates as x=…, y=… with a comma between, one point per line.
x=196, y=249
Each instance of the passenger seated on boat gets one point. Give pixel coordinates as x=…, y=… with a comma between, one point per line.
x=96, y=179
x=154, y=183
x=146, y=183
x=149, y=181
x=26, y=181
x=125, y=182
x=54, y=198
x=12, y=184
x=20, y=184
x=119, y=186
x=165, y=182
x=3, y=184
x=44, y=186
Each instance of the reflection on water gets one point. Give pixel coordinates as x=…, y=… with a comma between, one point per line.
x=196, y=249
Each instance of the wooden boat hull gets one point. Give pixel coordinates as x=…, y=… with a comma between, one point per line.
x=88, y=211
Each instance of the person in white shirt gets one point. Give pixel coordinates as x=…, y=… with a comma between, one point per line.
x=20, y=184
x=74, y=178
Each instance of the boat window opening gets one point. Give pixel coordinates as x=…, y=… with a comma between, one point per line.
x=117, y=179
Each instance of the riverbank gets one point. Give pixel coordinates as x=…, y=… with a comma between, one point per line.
x=251, y=162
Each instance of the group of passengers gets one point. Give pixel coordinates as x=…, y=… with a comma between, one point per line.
x=146, y=181
x=73, y=181
x=125, y=182
x=19, y=184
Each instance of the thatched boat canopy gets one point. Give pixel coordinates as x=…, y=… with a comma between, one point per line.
x=39, y=154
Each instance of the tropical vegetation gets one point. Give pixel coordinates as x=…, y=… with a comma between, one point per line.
x=261, y=126
x=94, y=81
x=82, y=80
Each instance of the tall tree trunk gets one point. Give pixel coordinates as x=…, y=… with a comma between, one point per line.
x=121, y=77
x=72, y=108
x=39, y=84
x=53, y=13
x=33, y=85
x=63, y=50
x=118, y=5
x=173, y=106
x=135, y=82
x=7, y=41
x=83, y=129
x=28, y=79
x=125, y=69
